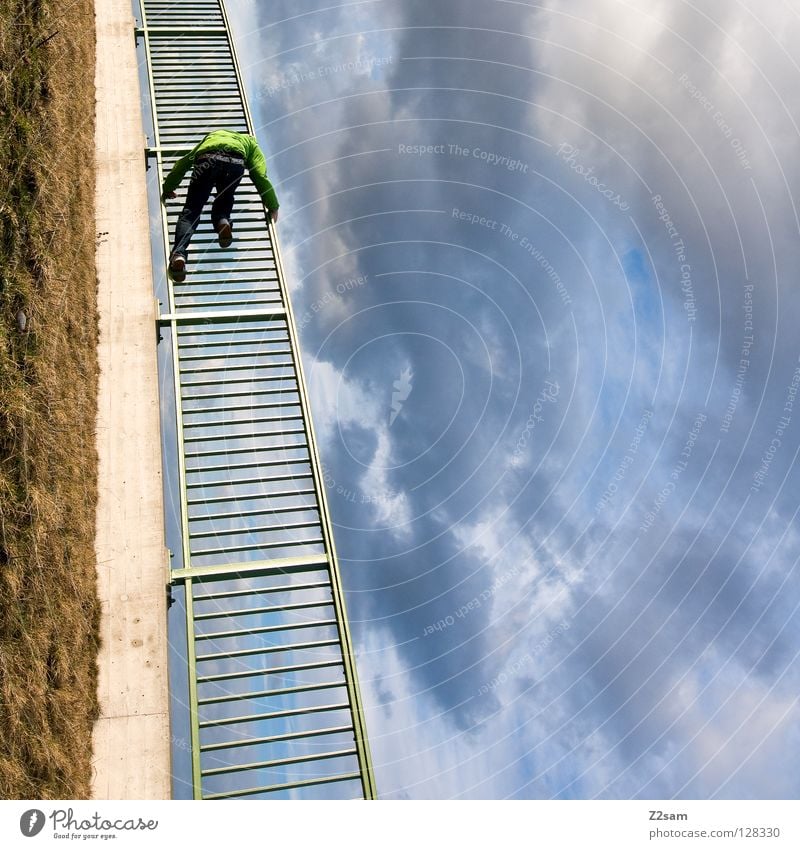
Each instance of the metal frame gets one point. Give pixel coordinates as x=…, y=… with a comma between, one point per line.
x=200, y=316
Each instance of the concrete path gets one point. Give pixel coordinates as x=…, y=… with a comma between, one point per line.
x=131, y=738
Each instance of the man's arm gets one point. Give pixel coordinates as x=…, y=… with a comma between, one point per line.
x=257, y=166
x=177, y=174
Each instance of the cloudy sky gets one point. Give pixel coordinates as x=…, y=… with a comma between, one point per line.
x=543, y=261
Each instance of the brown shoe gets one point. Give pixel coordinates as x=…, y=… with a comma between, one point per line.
x=224, y=232
x=177, y=267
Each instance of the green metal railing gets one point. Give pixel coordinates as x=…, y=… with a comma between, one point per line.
x=274, y=701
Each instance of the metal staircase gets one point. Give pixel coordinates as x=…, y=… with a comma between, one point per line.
x=274, y=704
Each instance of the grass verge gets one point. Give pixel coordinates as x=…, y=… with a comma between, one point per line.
x=49, y=613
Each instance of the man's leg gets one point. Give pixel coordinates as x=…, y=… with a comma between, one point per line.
x=227, y=182
x=203, y=179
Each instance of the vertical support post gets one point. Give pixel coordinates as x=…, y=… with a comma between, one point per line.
x=191, y=661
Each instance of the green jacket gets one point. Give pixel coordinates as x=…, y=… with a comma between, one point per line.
x=230, y=142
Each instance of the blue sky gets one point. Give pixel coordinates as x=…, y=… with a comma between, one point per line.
x=542, y=259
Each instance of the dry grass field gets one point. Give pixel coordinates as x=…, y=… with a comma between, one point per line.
x=49, y=613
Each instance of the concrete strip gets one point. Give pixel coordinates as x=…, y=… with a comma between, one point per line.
x=131, y=738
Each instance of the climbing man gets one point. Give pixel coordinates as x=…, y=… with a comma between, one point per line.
x=217, y=162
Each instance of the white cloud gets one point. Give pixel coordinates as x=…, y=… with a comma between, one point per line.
x=340, y=403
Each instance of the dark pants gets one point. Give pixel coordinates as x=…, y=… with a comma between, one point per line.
x=209, y=173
